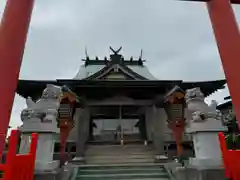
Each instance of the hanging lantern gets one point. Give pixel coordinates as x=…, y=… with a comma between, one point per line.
x=174, y=107
x=68, y=104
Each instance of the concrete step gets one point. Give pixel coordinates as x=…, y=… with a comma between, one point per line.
x=119, y=160
x=116, y=162
x=124, y=146
x=130, y=156
x=120, y=150
x=117, y=154
x=159, y=176
x=117, y=150
x=120, y=147
x=119, y=171
x=123, y=166
x=122, y=172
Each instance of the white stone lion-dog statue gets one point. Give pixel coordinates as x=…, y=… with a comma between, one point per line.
x=197, y=109
x=46, y=108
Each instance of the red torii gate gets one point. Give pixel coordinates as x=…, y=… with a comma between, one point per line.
x=13, y=32
x=227, y=35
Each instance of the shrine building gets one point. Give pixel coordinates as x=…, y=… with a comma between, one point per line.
x=122, y=103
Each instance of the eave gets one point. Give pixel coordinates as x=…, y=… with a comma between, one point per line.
x=207, y=87
x=225, y=105
x=34, y=88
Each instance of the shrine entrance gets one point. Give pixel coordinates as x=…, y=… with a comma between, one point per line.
x=120, y=129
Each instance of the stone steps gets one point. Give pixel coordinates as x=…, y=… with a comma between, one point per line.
x=117, y=154
x=116, y=162
x=118, y=149
x=121, y=166
x=118, y=171
x=122, y=172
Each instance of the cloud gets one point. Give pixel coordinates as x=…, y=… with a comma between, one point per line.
x=176, y=38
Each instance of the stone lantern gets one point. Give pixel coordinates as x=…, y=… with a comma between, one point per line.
x=204, y=124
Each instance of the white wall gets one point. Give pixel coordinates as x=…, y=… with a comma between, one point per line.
x=159, y=115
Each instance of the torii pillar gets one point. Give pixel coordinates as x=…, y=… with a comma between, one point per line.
x=227, y=36
x=13, y=34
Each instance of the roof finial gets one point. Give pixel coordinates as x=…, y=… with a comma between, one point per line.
x=141, y=54
x=105, y=59
x=140, y=61
x=86, y=54
x=117, y=51
x=131, y=58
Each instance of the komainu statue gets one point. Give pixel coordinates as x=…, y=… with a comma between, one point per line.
x=197, y=109
x=46, y=108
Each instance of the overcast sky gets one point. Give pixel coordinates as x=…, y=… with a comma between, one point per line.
x=176, y=38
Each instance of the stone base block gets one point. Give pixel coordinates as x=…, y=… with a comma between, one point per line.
x=46, y=166
x=160, y=159
x=49, y=175
x=194, y=173
x=78, y=160
x=196, y=162
x=37, y=126
x=209, y=125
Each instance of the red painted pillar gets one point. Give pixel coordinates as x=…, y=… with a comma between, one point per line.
x=177, y=126
x=227, y=36
x=13, y=32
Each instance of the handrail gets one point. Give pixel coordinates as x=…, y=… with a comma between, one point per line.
x=231, y=159
x=2, y=167
x=19, y=166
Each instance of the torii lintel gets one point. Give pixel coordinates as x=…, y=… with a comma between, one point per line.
x=231, y=1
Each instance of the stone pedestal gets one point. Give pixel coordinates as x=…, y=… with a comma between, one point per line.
x=56, y=174
x=177, y=172
x=34, y=125
x=206, y=143
x=204, y=124
x=45, y=149
x=41, y=117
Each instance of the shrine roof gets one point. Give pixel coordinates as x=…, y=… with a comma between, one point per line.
x=225, y=105
x=116, y=64
x=87, y=71
x=108, y=77
x=143, y=88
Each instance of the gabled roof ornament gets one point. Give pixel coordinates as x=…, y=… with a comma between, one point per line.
x=86, y=54
x=141, y=54
x=140, y=61
x=105, y=59
x=131, y=59
x=87, y=57
x=116, y=58
x=117, y=51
